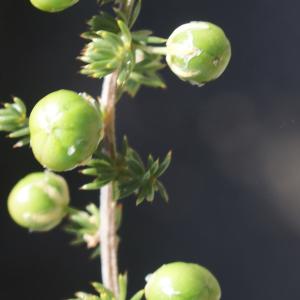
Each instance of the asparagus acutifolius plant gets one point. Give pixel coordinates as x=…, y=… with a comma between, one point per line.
x=67, y=129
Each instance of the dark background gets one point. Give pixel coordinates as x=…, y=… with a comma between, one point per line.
x=235, y=179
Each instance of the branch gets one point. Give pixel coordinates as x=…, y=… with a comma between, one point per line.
x=108, y=237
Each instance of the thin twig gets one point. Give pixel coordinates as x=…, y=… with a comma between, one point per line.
x=108, y=237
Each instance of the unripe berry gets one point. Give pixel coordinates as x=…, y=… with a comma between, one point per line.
x=198, y=52
x=53, y=6
x=65, y=130
x=182, y=281
x=39, y=201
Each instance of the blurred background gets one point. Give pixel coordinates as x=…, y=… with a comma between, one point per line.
x=234, y=183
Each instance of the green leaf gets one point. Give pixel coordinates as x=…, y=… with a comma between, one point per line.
x=104, y=292
x=121, y=15
x=95, y=253
x=102, y=160
x=122, y=286
x=164, y=165
x=6, y=128
x=125, y=71
x=96, y=184
x=125, y=34
x=135, y=13
x=125, y=146
x=149, y=79
x=93, y=209
x=134, y=155
x=13, y=120
x=150, y=193
x=103, y=21
x=155, y=40
x=132, y=87
x=103, y=2
x=10, y=119
x=139, y=200
x=85, y=296
x=119, y=216
x=162, y=191
x=128, y=188
x=89, y=172
x=140, y=35
x=145, y=72
x=23, y=142
x=138, y=296
x=136, y=167
x=19, y=133
x=150, y=160
x=19, y=106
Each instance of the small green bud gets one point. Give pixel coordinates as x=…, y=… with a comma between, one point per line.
x=182, y=281
x=39, y=201
x=65, y=130
x=198, y=52
x=53, y=6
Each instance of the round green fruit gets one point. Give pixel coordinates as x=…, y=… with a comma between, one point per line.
x=39, y=201
x=65, y=130
x=182, y=281
x=198, y=52
x=53, y=6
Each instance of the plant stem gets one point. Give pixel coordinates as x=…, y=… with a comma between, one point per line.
x=108, y=237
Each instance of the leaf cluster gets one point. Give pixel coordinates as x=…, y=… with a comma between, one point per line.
x=13, y=119
x=128, y=11
x=85, y=225
x=108, y=51
x=105, y=294
x=129, y=174
x=147, y=65
x=113, y=47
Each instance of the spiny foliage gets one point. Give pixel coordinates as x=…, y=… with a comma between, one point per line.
x=129, y=174
x=108, y=52
x=113, y=47
x=85, y=225
x=105, y=294
x=13, y=119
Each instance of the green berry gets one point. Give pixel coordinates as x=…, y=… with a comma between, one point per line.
x=182, y=281
x=53, y=6
x=198, y=52
x=39, y=201
x=65, y=130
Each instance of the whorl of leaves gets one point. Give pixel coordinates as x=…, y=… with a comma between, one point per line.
x=108, y=51
x=129, y=174
x=13, y=119
x=113, y=47
x=85, y=226
x=105, y=294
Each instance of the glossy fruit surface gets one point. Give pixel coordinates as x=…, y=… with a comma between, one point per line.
x=182, y=281
x=39, y=201
x=53, y=6
x=198, y=52
x=65, y=130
